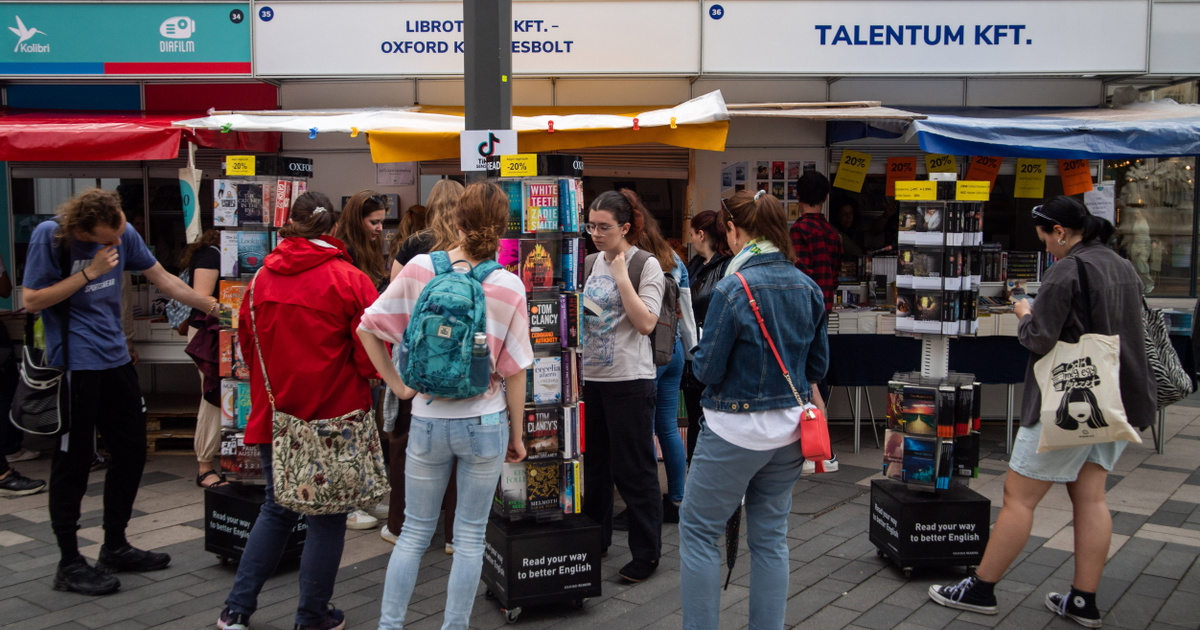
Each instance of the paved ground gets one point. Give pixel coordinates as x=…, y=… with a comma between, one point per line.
x=1152, y=580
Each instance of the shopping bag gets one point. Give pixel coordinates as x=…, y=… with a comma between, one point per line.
x=1081, y=394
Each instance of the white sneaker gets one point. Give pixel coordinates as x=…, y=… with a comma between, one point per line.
x=810, y=467
x=23, y=455
x=359, y=519
x=379, y=511
x=387, y=535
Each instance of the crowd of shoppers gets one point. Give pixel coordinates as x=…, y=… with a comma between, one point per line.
x=329, y=309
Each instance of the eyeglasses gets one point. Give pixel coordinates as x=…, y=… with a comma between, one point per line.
x=1037, y=213
x=602, y=228
x=381, y=200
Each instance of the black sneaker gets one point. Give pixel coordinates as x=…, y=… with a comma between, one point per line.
x=129, y=558
x=334, y=620
x=233, y=621
x=81, y=577
x=621, y=521
x=670, y=510
x=1075, y=608
x=638, y=570
x=18, y=485
x=964, y=596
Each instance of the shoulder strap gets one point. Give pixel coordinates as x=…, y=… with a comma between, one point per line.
x=484, y=269
x=441, y=262
x=588, y=263
x=763, y=327
x=636, y=263
x=257, y=345
x=1086, y=293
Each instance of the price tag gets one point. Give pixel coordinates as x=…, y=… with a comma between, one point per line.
x=239, y=165
x=1076, y=176
x=972, y=191
x=899, y=169
x=940, y=163
x=1031, y=178
x=520, y=165
x=984, y=169
x=916, y=191
x=852, y=171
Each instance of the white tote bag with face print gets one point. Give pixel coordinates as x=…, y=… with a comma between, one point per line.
x=1081, y=394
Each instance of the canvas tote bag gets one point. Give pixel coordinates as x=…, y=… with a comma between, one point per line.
x=1081, y=388
x=330, y=466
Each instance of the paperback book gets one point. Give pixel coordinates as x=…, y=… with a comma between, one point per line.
x=542, y=433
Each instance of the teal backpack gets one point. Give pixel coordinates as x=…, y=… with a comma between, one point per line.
x=439, y=338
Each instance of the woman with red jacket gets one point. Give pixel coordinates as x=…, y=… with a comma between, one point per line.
x=307, y=302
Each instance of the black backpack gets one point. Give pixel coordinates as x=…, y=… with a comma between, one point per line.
x=662, y=338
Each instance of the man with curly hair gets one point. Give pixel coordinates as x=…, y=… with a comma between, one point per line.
x=73, y=276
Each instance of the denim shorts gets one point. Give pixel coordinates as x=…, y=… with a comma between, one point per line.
x=1061, y=465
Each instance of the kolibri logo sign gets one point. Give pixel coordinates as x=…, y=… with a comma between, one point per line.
x=24, y=34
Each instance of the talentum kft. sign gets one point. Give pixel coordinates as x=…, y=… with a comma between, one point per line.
x=123, y=39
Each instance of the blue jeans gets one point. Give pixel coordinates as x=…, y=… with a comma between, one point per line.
x=666, y=423
x=318, y=563
x=434, y=445
x=721, y=474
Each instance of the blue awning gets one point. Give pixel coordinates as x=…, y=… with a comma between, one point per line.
x=1162, y=128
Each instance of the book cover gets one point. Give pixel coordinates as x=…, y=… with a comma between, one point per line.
x=225, y=203
x=229, y=392
x=945, y=464
x=513, y=189
x=568, y=377
x=929, y=306
x=964, y=403
x=919, y=410
x=893, y=454
x=906, y=303
x=231, y=292
x=229, y=254
x=250, y=204
x=541, y=206
x=920, y=460
x=947, y=404
x=283, y=203
x=546, y=380
x=509, y=255
x=225, y=353
x=569, y=265
x=977, y=406
x=543, y=480
x=543, y=322
x=252, y=250
x=299, y=187
x=240, y=369
x=243, y=403
x=966, y=456
x=566, y=434
x=566, y=499
x=905, y=258
x=907, y=221
x=539, y=259
x=510, y=493
x=571, y=315
x=895, y=408
x=542, y=433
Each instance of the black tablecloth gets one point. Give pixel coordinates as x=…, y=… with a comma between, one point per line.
x=857, y=360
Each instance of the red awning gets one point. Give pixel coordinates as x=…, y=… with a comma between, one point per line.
x=95, y=136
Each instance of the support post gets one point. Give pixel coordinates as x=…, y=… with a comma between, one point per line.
x=487, y=66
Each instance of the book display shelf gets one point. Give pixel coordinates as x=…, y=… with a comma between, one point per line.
x=540, y=548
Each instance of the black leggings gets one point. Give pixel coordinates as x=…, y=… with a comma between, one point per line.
x=108, y=401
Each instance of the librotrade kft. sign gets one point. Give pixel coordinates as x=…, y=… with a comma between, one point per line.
x=123, y=39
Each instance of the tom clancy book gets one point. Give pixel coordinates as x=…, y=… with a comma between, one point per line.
x=250, y=204
x=539, y=260
x=919, y=410
x=543, y=426
x=543, y=482
x=541, y=206
x=544, y=331
x=225, y=203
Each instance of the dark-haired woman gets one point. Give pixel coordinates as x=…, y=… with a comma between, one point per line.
x=1071, y=233
x=705, y=269
x=302, y=310
x=619, y=373
x=360, y=227
x=473, y=435
x=203, y=261
x=750, y=446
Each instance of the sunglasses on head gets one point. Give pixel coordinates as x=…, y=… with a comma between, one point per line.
x=1037, y=212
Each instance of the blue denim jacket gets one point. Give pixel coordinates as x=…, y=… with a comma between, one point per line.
x=734, y=361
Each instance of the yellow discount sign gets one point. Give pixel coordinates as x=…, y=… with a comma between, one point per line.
x=1031, y=178
x=972, y=191
x=519, y=165
x=916, y=191
x=940, y=163
x=852, y=171
x=239, y=165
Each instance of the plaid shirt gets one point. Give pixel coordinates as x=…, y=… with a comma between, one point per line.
x=818, y=252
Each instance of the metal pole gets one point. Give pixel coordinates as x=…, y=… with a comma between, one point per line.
x=487, y=69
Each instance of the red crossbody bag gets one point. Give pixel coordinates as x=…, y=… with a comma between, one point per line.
x=814, y=429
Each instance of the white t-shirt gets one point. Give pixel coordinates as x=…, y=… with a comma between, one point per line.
x=613, y=350
x=756, y=430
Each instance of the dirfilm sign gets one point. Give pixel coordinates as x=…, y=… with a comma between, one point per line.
x=123, y=39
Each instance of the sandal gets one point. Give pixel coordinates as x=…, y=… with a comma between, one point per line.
x=210, y=473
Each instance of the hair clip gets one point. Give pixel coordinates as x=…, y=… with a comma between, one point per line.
x=759, y=194
x=319, y=209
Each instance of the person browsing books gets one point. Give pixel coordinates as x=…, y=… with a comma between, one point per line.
x=203, y=261
x=473, y=435
x=619, y=373
x=705, y=269
x=750, y=446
